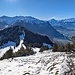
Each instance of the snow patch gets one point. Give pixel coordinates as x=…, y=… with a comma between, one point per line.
x=24, y=46
x=4, y=50
x=36, y=50
x=10, y=43
x=21, y=43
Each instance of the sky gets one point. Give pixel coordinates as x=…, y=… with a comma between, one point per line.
x=41, y=9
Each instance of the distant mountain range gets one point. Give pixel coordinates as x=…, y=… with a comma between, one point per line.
x=68, y=23
x=64, y=26
x=32, y=24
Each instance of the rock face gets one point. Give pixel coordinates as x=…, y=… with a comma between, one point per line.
x=13, y=34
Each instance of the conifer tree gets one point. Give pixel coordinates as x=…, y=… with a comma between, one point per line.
x=60, y=48
x=55, y=47
x=73, y=44
x=68, y=47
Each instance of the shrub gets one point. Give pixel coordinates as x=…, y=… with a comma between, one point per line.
x=23, y=52
x=8, y=54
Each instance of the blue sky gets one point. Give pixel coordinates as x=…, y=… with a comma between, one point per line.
x=42, y=9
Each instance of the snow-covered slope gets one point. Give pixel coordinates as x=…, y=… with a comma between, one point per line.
x=4, y=50
x=53, y=22
x=21, y=43
x=18, y=37
x=10, y=20
x=5, y=47
x=39, y=64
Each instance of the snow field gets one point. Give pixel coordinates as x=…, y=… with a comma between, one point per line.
x=39, y=64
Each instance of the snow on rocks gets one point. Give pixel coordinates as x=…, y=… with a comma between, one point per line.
x=6, y=47
x=3, y=50
x=37, y=64
x=12, y=44
x=21, y=43
x=36, y=50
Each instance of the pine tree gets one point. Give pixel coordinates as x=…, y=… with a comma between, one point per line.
x=60, y=48
x=23, y=52
x=73, y=44
x=55, y=47
x=68, y=47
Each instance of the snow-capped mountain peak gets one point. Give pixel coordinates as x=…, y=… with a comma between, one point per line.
x=33, y=20
x=10, y=20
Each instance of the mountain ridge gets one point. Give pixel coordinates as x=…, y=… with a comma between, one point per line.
x=35, y=25
x=14, y=34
